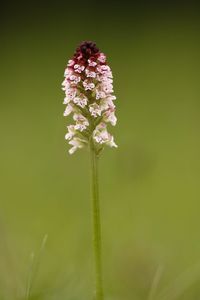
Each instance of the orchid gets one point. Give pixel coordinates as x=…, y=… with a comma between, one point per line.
x=88, y=87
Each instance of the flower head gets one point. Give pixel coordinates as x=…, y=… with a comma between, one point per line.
x=88, y=87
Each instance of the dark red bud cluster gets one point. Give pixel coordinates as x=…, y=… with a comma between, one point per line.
x=86, y=50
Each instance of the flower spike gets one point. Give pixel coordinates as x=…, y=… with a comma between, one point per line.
x=88, y=87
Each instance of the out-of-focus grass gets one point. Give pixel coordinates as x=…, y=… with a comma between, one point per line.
x=149, y=185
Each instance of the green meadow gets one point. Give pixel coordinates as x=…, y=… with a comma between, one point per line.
x=149, y=185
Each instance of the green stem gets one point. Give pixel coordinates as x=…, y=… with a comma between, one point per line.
x=96, y=225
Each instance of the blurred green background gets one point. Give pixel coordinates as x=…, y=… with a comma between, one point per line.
x=149, y=186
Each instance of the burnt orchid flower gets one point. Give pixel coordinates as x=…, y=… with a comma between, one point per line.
x=88, y=87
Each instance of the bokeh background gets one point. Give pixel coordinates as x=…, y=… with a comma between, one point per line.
x=149, y=186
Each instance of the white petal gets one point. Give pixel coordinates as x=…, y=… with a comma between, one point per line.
x=68, y=110
x=72, y=150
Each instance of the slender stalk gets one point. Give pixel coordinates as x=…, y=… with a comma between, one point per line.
x=96, y=225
